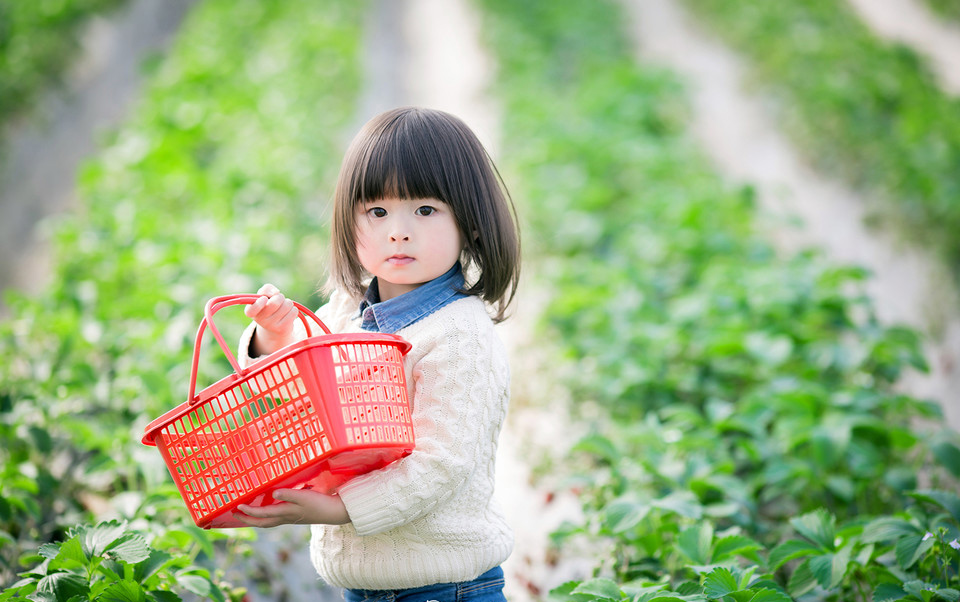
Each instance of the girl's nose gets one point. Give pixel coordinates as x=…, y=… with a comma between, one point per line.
x=399, y=231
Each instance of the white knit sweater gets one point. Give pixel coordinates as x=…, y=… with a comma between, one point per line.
x=429, y=517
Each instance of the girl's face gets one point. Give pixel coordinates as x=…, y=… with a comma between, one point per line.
x=406, y=243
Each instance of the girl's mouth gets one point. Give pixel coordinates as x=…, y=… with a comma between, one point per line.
x=399, y=259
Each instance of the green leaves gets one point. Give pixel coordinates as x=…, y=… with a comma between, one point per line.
x=944, y=499
x=914, y=591
x=108, y=562
x=818, y=526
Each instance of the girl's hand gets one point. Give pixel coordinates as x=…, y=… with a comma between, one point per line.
x=275, y=316
x=299, y=507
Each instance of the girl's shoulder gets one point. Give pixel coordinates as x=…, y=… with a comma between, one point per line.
x=465, y=316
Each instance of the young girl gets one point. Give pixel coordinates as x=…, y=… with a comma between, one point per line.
x=421, y=209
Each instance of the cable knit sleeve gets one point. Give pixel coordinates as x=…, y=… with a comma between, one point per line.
x=459, y=382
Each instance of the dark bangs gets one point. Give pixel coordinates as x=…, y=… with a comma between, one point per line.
x=397, y=167
x=405, y=155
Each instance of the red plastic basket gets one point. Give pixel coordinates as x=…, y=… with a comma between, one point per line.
x=311, y=415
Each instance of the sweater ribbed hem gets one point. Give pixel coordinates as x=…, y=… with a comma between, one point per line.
x=415, y=568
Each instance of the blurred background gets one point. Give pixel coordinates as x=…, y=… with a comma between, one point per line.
x=735, y=350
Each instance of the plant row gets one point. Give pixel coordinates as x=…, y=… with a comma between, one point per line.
x=866, y=110
x=37, y=41
x=945, y=8
x=217, y=183
x=751, y=443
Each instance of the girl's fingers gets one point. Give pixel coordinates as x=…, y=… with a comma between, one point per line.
x=254, y=308
x=258, y=511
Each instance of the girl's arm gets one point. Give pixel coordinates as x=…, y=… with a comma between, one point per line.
x=298, y=507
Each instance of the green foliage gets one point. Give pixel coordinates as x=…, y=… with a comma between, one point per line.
x=946, y=8
x=109, y=562
x=216, y=184
x=37, y=40
x=747, y=399
x=862, y=108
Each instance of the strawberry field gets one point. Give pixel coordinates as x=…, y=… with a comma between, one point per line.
x=748, y=439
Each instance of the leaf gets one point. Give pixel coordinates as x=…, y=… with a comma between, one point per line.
x=123, y=591
x=770, y=595
x=948, y=593
x=563, y=593
x=599, y=446
x=818, y=526
x=945, y=499
x=200, y=585
x=69, y=556
x=63, y=586
x=130, y=548
x=683, y=503
x=887, y=528
x=734, y=545
x=96, y=540
x=623, y=515
x=696, y=541
x=948, y=455
x=802, y=580
x=789, y=550
x=719, y=583
x=162, y=595
x=145, y=569
x=911, y=548
x=829, y=569
x=49, y=550
x=888, y=592
x=600, y=588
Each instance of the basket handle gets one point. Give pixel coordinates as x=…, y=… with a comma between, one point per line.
x=216, y=304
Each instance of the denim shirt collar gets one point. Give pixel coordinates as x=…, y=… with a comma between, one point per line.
x=394, y=314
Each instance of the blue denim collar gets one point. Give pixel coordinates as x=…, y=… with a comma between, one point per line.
x=394, y=314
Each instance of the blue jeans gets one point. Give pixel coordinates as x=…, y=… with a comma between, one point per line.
x=488, y=587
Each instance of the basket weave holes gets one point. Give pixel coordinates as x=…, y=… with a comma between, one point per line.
x=261, y=383
x=271, y=381
x=231, y=400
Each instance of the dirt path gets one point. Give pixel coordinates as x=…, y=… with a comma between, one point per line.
x=912, y=23
x=739, y=135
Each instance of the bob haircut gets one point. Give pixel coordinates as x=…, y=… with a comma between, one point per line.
x=413, y=153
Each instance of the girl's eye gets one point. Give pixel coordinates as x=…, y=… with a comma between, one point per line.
x=377, y=211
x=425, y=210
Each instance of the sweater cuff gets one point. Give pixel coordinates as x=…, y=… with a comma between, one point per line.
x=365, y=507
x=243, y=349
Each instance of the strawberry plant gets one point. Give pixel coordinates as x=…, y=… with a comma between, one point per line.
x=109, y=562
